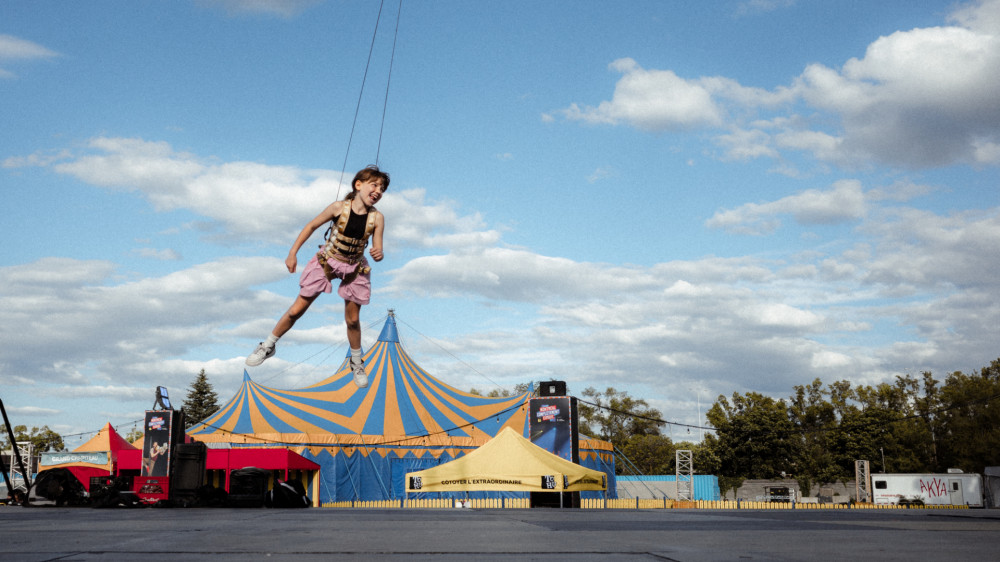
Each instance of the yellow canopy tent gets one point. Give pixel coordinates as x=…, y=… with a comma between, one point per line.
x=507, y=463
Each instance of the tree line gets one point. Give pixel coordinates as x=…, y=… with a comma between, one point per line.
x=913, y=424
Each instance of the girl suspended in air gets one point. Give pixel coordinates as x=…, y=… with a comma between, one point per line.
x=343, y=257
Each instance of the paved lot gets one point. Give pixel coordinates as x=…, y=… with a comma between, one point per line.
x=222, y=535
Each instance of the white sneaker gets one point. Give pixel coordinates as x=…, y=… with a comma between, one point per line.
x=259, y=355
x=360, y=376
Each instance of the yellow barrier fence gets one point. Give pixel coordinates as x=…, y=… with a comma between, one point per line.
x=620, y=503
x=435, y=503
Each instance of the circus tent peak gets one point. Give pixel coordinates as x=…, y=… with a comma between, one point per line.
x=107, y=439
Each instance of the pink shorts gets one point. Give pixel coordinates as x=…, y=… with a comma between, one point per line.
x=313, y=280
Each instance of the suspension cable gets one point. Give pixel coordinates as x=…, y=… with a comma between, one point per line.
x=388, y=79
x=364, y=80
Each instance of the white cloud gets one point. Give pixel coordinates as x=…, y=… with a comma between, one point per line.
x=981, y=15
x=248, y=200
x=32, y=411
x=926, y=250
x=511, y=275
x=844, y=202
x=654, y=100
x=600, y=174
x=762, y=6
x=742, y=144
x=165, y=254
x=920, y=98
x=95, y=322
x=281, y=8
x=15, y=49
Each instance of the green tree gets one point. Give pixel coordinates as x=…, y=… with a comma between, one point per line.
x=813, y=417
x=616, y=416
x=519, y=389
x=201, y=401
x=884, y=426
x=754, y=437
x=647, y=454
x=42, y=439
x=134, y=435
x=705, y=460
x=969, y=418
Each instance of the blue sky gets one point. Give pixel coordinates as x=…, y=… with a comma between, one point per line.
x=676, y=199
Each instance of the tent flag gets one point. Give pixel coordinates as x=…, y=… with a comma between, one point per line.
x=507, y=463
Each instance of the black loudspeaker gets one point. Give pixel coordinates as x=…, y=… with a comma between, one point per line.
x=552, y=499
x=248, y=486
x=552, y=388
x=188, y=472
x=57, y=486
x=109, y=491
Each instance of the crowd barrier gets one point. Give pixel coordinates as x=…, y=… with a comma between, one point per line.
x=739, y=504
x=436, y=503
x=621, y=503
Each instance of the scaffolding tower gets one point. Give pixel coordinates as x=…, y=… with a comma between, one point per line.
x=685, y=475
x=862, y=481
x=18, y=479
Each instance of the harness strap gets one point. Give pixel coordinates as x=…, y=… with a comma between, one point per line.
x=344, y=248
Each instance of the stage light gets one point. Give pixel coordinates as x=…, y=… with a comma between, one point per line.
x=162, y=399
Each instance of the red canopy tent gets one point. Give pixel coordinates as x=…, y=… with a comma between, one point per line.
x=99, y=456
x=220, y=463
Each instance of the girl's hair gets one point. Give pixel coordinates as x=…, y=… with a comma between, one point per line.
x=369, y=173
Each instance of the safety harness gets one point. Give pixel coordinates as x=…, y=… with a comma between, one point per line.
x=343, y=248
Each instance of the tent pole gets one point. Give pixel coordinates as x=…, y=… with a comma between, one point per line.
x=16, y=453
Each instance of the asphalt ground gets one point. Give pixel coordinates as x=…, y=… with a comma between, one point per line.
x=445, y=535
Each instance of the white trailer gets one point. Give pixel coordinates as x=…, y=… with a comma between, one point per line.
x=954, y=488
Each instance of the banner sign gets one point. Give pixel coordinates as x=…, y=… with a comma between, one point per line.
x=552, y=425
x=156, y=445
x=543, y=483
x=585, y=482
x=477, y=483
x=53, y=459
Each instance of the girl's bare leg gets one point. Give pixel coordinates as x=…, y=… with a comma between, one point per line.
x=294, y=312
x=352, y=317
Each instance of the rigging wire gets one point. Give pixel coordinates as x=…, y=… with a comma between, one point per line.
x=388, y=80
x=357, y=107
x=364, y=80
x=452, y=355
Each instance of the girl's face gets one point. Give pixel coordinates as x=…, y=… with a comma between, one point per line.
x=369, y=191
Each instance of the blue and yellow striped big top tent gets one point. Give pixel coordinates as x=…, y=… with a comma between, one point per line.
x=366, y=439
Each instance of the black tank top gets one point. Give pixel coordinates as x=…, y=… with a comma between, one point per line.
x=356, y=225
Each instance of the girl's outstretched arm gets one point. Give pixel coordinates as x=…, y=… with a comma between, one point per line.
x=291, y=262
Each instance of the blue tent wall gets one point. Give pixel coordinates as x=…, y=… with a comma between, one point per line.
x=705, y=486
